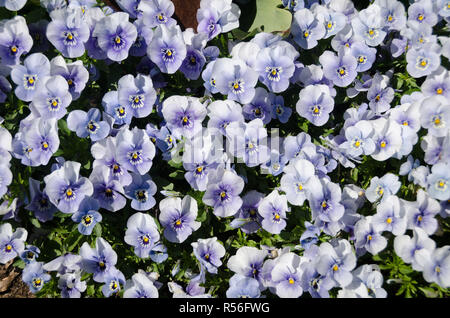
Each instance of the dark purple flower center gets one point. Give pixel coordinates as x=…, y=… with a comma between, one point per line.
x=87, y=220
x=361, y=59
x=69, y=194
x=186, y=121
x=53, y=104
x=113, y=285
x=71, y=83
x=70, y=38
x=383, y=143
x=118, y=42
x=14, y=49
x=199, y=171
x=178, y=224
x=116, y=169
x=137, y=101
x=145, y=240
x=168, y=54
x=29, y=81
x=315, y=110
x=102, y=265
x=254, y=270
x=237, y=86
x=43, y=204
x=273, y=73
x=121, y=112
x=109, y=193
x=8, y=248
x=422, y=63
x=141, y=195
x=135, y=157
x=161, y=18
x=37, y=282
x=341, y=71
x=44, y=145
x=252, y=213
x=92, y=127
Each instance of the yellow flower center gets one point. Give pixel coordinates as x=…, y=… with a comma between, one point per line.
x=405, y=123
x=199, y=169
x=14, y=49
x=207, y=256
x=252, y=212
x=316, y=110
x=389, y=220
x=361, y=59
x=306, y=34
x=437, y=121
x=277, y=216
x=329, y=25
x=121, y=110
x=439, y=91
x=69, y=81
x=87, y=219
x=185, y=119
x=236, y=86
x=117, y=40
x=178, y=222
x=101, y=264
x=324, y=204
x=193, y=60
x=441, y=184
x=45, y=145
x=70, y=36
x=223, y=194
x=419, y=218
x=69, y=192
x=383, y=144
x=390, y=18
x=369, y=237
x=357, y=143
x=135, y=156
x=291, y=281
x=420, y=17
x=169, y=53
x=31, y=80
x=8, y=248
x=300, y=187
x=377, y=98
x=341, y=71
x=371, y=32
x=423, y=63
x=335, y=267
x=437, y=269
x=54, y=103
x=145, y=239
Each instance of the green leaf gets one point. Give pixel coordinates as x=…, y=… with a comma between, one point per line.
x=72, y=240
x=429, y=292
x=97, y=230
x=35, y=222
x=269, y=17
x=90, y=290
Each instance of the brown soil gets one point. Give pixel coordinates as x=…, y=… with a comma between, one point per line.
x=11, y=284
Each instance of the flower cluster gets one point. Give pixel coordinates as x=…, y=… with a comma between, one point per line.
x=285, y=162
